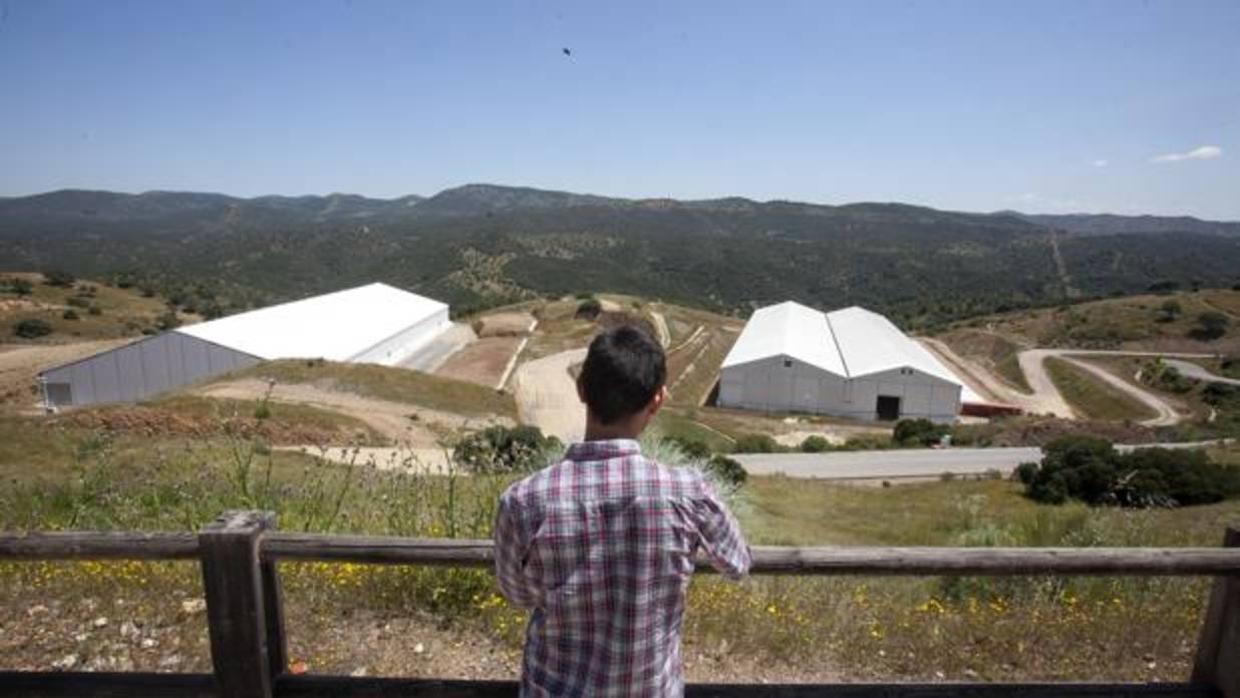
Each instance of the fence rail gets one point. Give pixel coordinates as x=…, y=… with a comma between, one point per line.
x=240, y=551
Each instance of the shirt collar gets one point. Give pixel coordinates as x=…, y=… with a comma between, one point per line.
x=603, y=449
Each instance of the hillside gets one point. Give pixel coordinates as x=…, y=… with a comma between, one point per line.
x=1147, y=322
x=482, y=245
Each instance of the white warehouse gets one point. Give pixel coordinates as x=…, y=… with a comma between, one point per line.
x=849, y=363
x=375, y=323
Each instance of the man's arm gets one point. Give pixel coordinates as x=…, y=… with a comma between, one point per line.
x=721, y=536
x=516, y=580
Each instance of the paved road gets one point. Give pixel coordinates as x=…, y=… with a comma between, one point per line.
x=901, y=464
x=1196, y=372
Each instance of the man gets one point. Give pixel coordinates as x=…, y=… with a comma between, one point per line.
x=600, y=546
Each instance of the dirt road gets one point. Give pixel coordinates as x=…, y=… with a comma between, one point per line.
x=388, y=418
x=1192, y=370
x=1046, y=398
x=547, y=397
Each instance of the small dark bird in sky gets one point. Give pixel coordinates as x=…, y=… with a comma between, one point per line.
x=567, y=52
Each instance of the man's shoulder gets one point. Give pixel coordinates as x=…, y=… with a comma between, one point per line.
x=568, y=478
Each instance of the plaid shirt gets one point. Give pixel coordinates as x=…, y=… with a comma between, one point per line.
x=601, y=546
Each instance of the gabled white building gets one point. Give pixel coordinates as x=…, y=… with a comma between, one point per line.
x=375, y=323
x=849, y=363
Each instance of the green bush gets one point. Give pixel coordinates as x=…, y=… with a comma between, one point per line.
x=58, y=277
x=31, y=329
x=78, y=301
x=692, y=448
x=815, y=444
x=20, y=287
x=1158, y=374
x=589, y=308
x=1089, y=469
x=94, y=310
x=1211, y=325
x=70, y=314
x=918, y=432
x=757, y=443
x=726, y=470
x=500, y=449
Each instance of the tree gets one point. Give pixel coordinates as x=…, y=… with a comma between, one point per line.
x=58, y=277
x=20, y=286
x=1211, y=325
x=1091, y=470
x=31, y=329
x=1170, y=310
x=168, y=321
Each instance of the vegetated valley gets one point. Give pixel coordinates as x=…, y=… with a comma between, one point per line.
x=480, y=245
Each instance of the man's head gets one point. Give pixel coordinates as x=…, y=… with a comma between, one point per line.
x=622, y=380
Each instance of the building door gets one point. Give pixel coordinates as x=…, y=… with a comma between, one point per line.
x=888, y=407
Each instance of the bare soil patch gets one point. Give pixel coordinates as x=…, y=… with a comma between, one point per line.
x=507, y=324
x=401, y=422
x=482, y=362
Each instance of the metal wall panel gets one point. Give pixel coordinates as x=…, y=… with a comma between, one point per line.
x=144, y=368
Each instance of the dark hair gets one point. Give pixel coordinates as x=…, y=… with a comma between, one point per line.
x=624, y=369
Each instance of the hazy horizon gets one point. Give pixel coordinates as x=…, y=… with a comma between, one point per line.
x=1049, y=107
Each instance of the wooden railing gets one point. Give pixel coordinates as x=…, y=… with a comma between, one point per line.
x=239, y=551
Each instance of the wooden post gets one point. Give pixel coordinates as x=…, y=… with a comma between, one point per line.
x=1218, y=648
x=243, y=610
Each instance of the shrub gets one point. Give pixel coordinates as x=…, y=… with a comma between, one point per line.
x=589, y=308
x=1170, y=310
x=58, y=277
x=500, y=449
x=691, y=448
x=20, y=287
x=70, y=314
x=727, y=470
x=94, y=310
x=1091, y=470
x=757, y=443
x=1211, y=325
x=918, y=432
x=78, y=301
x=815, y=444
x=167, y=321
x=1159, y=375
x=30, y=329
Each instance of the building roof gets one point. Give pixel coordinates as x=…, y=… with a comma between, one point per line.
x=789, y=329
x=335, y=326
x=850, y=342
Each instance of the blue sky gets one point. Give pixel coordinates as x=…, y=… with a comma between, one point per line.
x=1038, y=106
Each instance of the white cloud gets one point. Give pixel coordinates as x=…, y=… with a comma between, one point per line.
x=1205, y=152
x=1099, y=163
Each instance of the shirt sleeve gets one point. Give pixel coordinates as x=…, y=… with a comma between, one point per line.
x=721, y=535
x=516, y=580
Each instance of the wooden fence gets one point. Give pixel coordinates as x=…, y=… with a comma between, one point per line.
x=239, y=552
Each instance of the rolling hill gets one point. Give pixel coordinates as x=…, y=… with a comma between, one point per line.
x=481, y=245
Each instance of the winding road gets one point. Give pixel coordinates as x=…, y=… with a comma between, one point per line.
x=1192, y=370
x=1045, y=398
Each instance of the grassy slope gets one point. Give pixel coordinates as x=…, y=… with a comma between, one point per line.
x=1129, y=322
x=125, y=312
x=396, y=384
x=1090, y=397
x=991, y=350
x=786, y=511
